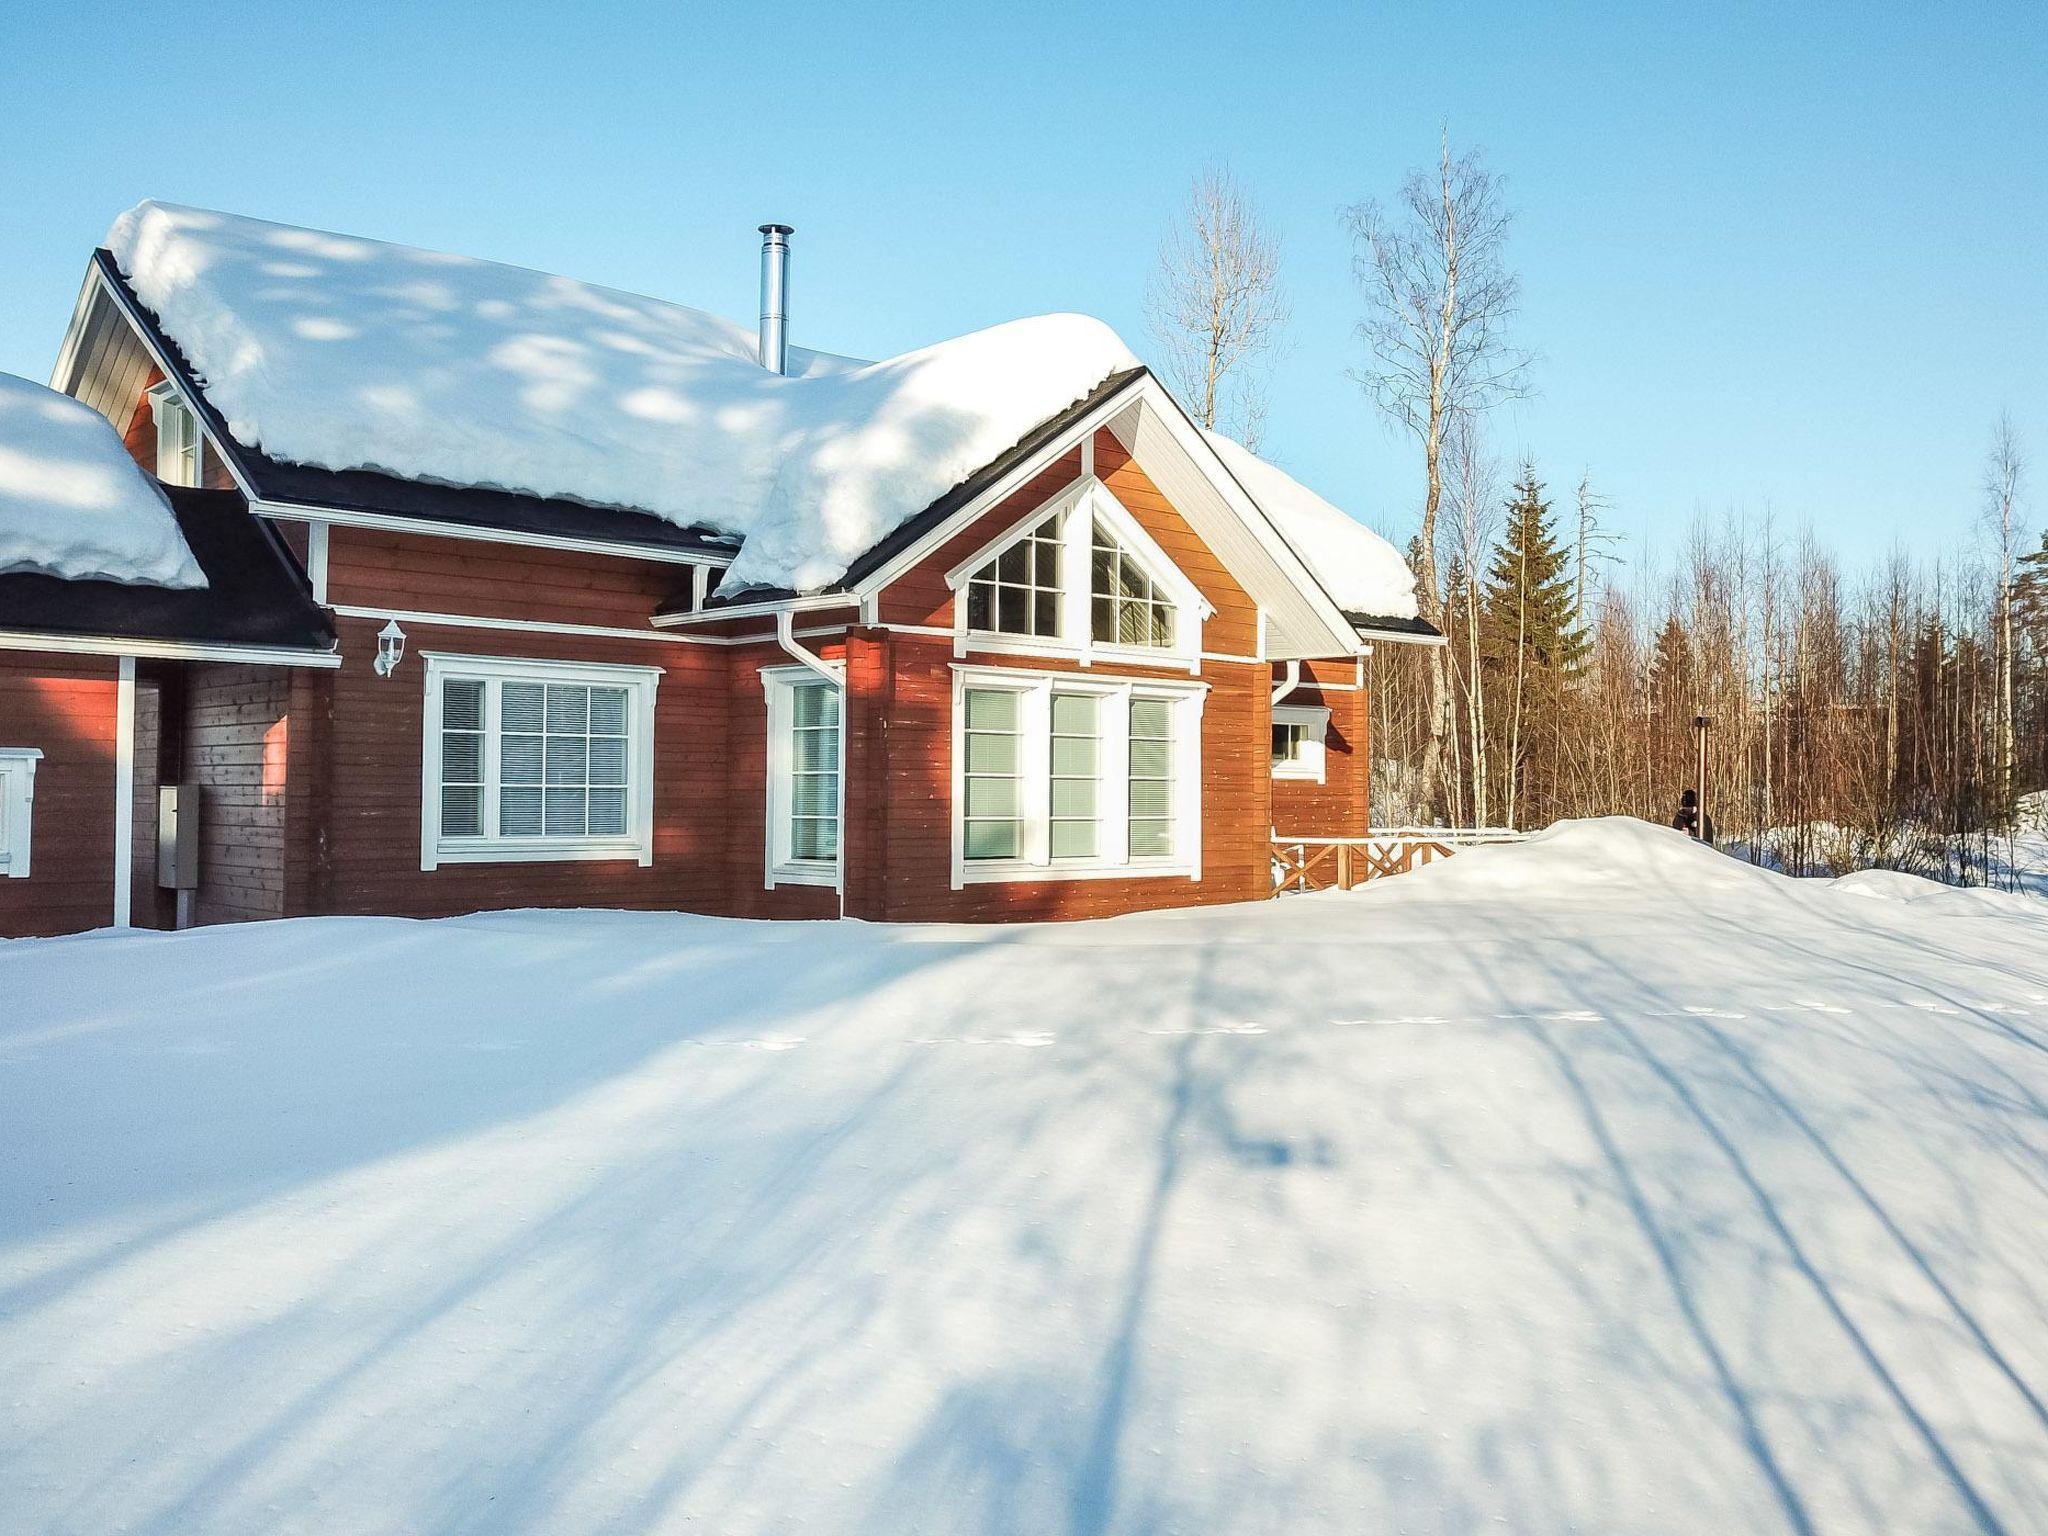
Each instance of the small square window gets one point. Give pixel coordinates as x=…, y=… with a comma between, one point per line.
x=1299, y=749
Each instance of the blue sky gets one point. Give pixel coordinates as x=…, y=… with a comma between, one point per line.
x=1783, y=254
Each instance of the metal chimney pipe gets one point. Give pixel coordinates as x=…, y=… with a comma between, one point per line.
x=775, y=297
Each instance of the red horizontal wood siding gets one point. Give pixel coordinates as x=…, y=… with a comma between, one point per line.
x=64, y=705
x=1340, y=806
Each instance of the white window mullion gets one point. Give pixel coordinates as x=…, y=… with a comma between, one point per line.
x=1116, y=779
x=493, y=744
x=1036, y=723
x=1077, y=541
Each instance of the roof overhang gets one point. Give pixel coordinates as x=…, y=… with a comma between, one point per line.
x=1396, y=631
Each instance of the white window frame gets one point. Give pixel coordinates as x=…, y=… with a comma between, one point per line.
x=636, y=843
x=1112, y=859
x=1077, y=508
x=17, y=808
x=169, y=409
x=781, y=866
x=1314, y=720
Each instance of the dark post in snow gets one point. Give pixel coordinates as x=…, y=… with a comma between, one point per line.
x=1699, y=730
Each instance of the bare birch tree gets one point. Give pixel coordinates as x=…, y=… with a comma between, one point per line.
x=1214, y=305
x=1438, y=297
x=1591, y=545
x=2004, y=470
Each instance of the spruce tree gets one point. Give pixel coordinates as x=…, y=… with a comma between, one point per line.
x=1672, y=693
x=2030, y=598
x=1528, y=592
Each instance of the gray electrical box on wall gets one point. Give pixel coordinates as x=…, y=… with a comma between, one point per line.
x=177, y=837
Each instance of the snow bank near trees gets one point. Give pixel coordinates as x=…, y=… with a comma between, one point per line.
x=1361, y=570
x=2014, y=861
x=74, y=504
x=1673, y=1201
x=354, y=354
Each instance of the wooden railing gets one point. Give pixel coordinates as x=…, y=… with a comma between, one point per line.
x=1339, y=863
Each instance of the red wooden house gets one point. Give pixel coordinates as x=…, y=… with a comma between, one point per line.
x=525, y=593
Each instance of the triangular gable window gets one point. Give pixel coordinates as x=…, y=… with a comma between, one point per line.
x=1126, y=606
x=1029, y=584
x=1018, y=592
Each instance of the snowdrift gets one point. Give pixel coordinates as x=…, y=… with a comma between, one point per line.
x=1600, y=855
x=1592, y=1184
x=73, y=504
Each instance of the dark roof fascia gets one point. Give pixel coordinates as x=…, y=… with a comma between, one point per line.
x=255, y=594
x=908, y=533
x=1386, y=627
x=275, y=480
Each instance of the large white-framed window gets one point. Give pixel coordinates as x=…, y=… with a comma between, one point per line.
x=1078, y=577
x=528, y=761
x=180, y=446
x=1300, y=734
x=17, y=808
x=1060, y=776
x=806, y=772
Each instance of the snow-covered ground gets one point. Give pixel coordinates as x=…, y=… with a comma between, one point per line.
x=1599, y=1183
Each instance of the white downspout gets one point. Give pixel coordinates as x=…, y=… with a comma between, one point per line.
x=124, y=792
x=785, y=636
x=1290, y=679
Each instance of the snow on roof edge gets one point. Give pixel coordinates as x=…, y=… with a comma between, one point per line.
x=1361, y=571
x=74, y=504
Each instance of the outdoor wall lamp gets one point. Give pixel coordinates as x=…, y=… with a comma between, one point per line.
x=390, y=648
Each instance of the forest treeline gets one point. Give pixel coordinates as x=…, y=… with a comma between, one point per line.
x=1897, y=716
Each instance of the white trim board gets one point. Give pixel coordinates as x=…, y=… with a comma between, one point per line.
x=767, y=609
x=124, y=794
x=395, y=522
x=170, y=650
x=531, y=626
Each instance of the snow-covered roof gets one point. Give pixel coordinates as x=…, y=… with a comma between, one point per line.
x=1362, y=571
x=351, y=354
x=73, y=504
x=354, y=354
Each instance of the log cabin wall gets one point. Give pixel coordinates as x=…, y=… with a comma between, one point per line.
x=236, y=748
